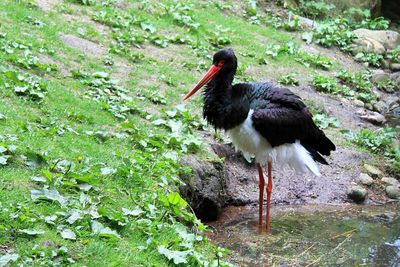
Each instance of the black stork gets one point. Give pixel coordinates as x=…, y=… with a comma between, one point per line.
x=263, y=120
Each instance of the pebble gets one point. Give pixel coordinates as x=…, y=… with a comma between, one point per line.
x=380, y=76
x=375, y=118
x=358, y=103
x=395, y=66
x=380, y=106
x=365, y=179
x=393, y=191
x=390, y=181
x=357, y=193
x=373, y=171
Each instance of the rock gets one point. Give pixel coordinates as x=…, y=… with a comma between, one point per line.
x=377, y=93
x=392, y=101
x=385, y=64
x=388, y=39
x=368, y=106
x=368, y=45
x=393, y=191
x=358, y=103
x=375, y=118
x=380, y=106
x=395, y=66
x=365, y=179
x=395, y=77
x=380, y=76
x=204, y=190
x=308, y=22
x=357, y=193
x=361, y=112
x=390, y=181
x=373, y=171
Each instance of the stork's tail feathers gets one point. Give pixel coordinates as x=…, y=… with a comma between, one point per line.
x=296, y=156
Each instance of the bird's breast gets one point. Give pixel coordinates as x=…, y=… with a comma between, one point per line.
x=247, y=139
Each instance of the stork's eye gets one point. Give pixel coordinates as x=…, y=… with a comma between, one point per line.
x=220, y=63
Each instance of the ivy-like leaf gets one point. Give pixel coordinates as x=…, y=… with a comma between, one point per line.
x=46, y=194
x=177, y=256
x=67, y=234
x=31, y=231
x=101, y=230
x=7, y=258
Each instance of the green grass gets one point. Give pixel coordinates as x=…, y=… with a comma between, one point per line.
x=76, y=142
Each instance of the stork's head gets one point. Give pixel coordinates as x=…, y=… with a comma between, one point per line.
x=224, y=62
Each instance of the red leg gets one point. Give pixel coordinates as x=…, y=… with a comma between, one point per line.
x=261, y=184
x=269, y=191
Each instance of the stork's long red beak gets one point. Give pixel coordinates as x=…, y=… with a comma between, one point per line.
x=212, y=71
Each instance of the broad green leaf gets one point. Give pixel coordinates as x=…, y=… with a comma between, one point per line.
x=135, y=212
x=7, y=258
x=50, y=219
x=84, y=178
x=107, y=170
x=3, y=159
x=39, y=179
x=2, y=116
x=101, y=230
x=101, y=74
x=159, y=122
x=74, y=216
x=46, y=194
x=31, y=231
x=175, y=199
x=3, y=149
x=68, y=234
x=177, y=256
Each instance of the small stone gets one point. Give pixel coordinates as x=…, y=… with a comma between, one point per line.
x=368, y=106
x=392, y=101
x=390, y=181
x=377, y=93
x=385, y=64
x=357, y=193
x=375, y=118
x=395, y=77
x=380, y=106
x=393, y=191
x=373, y=171
x=361, y=112
x=358, y=103
x=380, y=76
x=395, y=66
x=365, y=179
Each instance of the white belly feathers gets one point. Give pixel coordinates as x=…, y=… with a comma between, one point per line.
x=249, y=141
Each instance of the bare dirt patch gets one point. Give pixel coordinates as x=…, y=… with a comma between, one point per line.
x=48, y=60
x=88, y=47
x=47, y=5
x=100, y=28
x=122, y=68
x=170, y=53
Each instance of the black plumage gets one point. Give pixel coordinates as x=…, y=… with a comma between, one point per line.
x=279, y=115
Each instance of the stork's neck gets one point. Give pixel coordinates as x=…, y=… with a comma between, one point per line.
x=222, y=107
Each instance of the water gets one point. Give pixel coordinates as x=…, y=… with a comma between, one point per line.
x=313, y=235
